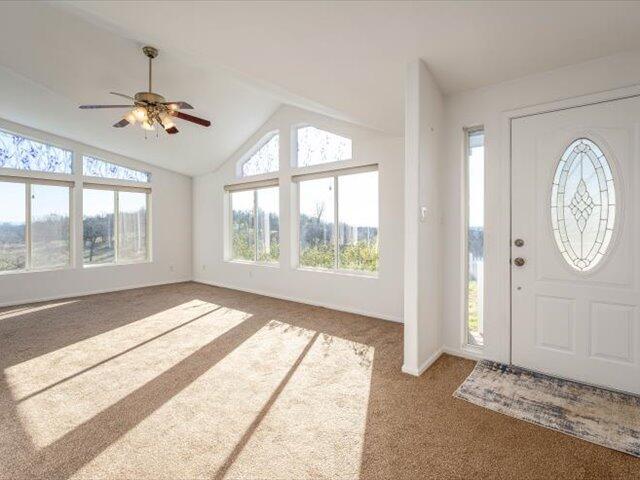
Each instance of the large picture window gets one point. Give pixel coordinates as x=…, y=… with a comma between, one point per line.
x=338, y=220
x=255, y=224
x=34, y=225
x=115, y=226
x=474, y=282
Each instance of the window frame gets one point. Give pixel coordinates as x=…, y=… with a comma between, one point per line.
x=245, y=187
x=467, y=132
x=335, y=174
x=28, y=181
x=116, y=188
x=331, y=165
x=248, y=155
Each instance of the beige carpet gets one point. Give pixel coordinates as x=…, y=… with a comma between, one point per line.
x=188, y=381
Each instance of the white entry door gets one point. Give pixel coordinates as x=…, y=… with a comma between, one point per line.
x=575, y=274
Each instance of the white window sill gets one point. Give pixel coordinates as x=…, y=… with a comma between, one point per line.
x=37, y=270
x=343, y=273
x=114, y=264
x=251, y=263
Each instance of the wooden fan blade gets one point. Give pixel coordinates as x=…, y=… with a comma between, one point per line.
x=85, y=107
x=171, y=131
x=191, y=118
x=122, y=95
x=178, y=105
x=122, y=123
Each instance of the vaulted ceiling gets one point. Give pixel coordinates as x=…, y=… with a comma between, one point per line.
x=236, y=62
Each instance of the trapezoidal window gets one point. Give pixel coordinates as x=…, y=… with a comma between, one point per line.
x=263, y=158
x=315, y=147
x=583, y=205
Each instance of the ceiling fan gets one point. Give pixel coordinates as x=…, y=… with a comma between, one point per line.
x=149, y=108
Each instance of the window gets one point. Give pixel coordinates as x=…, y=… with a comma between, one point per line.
x=348, y=200
x=34, y=225
x=115, y=226
x=50, y=234
x=255, y=225
x=94, y=167
x=22, y=153
x=583, y=205
x=132, y=226
x=13, y=246
x=98, y=225
x=268, y=226
x=474, y=166
x=315, y=147
x=264, y=158
x=317, y=222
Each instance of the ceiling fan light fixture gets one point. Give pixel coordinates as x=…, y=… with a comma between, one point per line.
x=150, y=108
x=131, y=117
x=147, y=126
x=165, y=120
x=141, y=114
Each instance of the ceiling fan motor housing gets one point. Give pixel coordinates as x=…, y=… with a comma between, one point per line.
x=149, y=97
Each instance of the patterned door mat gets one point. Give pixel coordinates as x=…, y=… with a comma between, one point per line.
x=597, y=415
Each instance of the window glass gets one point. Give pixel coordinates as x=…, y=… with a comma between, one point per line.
x=50, y=235
x=243, y=234
x=94, y=167
x=583, y=205
x=315, y=146
x=358, y=221
x=475, y=236
x=98, y=226
x=265, y=160
x=13, y=251
x=317, y=245
x=268, y=227
x=25, y=154
x=132, y=226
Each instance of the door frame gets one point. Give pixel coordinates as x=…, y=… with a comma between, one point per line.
x=502, y=334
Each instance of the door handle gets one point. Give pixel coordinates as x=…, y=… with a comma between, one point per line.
x=519, y=261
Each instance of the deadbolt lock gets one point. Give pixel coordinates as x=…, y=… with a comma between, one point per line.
x=519, y=261
x=519, y=242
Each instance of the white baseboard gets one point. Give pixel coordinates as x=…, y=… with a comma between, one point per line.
x=463, y=353
x=305, y=301
x=426, y=364
x=91, y=292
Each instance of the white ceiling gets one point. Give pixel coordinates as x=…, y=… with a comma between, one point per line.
x=237, y=61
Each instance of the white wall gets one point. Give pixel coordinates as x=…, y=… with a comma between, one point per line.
x=486, y=107
x=170, y=231
x=423, y=234
x=380, y=297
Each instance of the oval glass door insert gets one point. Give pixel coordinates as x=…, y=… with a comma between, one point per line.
x=583, y=205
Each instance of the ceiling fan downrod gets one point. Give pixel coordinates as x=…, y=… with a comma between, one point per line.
x=151, y=53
